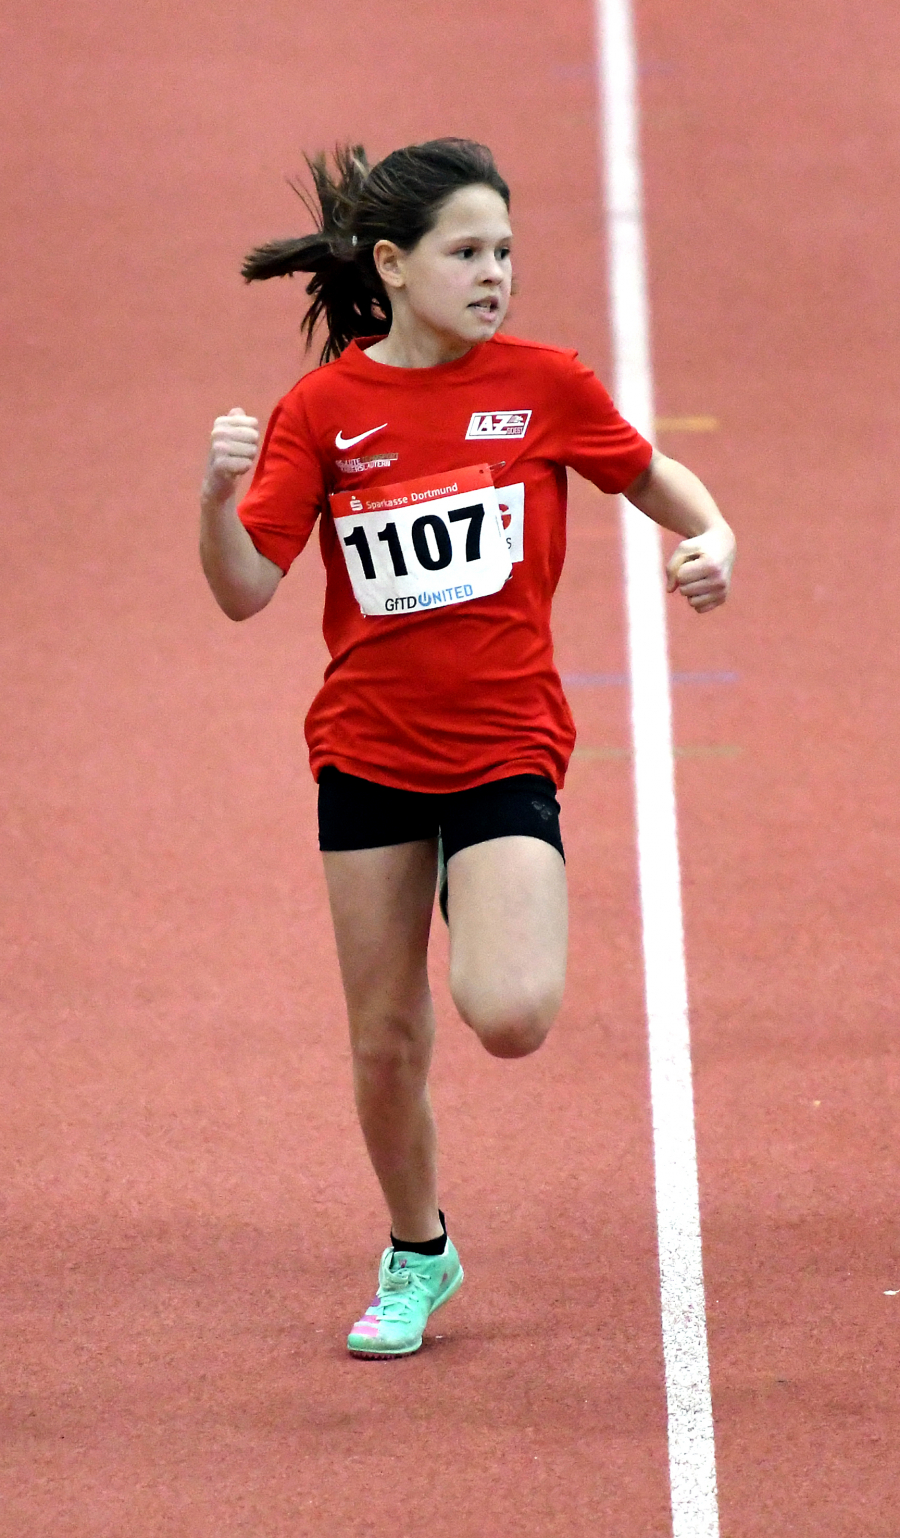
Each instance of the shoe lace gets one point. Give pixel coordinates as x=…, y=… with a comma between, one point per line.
x=395, y=1293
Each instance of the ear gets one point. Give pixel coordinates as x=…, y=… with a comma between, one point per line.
x=389, y=263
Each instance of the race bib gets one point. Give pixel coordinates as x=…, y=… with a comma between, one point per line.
x=512, y=514
x=423, y=544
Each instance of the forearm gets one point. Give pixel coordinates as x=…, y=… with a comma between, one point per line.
x=673, y=497
x=242, y=580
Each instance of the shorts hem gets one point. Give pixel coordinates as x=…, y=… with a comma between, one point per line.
x=377, y=775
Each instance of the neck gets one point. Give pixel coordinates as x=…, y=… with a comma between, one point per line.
x=416, y=346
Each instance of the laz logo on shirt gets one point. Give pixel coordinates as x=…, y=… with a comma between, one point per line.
x=498, y=424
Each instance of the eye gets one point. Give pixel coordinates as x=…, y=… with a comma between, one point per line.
x=466, y=251
x=504, y=253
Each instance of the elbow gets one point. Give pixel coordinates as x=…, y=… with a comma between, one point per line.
x=233, y=605
x=236, y=604
x=240, y=606
x=235, y=612
x=238, y=595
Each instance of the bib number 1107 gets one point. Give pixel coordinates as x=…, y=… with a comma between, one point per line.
x=431, y=542
x=402, y=556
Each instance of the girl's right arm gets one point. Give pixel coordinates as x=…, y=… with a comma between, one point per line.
x=242, y=580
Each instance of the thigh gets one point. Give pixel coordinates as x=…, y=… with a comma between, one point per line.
x=379, y=846
x=507, y=891
x=508, y=928
x=381, y=906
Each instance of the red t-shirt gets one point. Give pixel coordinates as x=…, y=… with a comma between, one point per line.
x=450, y=697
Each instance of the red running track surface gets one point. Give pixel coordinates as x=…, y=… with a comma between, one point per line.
x=189, y=1219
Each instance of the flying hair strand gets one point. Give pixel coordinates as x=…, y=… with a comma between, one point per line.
x=354, y=206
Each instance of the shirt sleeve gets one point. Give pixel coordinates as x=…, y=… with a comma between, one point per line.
x=287, y=492
x=594, y=438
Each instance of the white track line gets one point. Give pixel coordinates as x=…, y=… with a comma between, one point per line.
x=692, y=1465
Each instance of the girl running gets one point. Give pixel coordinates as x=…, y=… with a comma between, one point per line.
x=432, y=451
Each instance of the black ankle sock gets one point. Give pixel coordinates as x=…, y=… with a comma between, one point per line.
x=429, y=1247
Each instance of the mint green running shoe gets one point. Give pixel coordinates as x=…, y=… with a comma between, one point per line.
x=410, y=1289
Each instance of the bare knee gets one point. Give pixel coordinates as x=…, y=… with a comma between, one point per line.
x=389, y=1047
x=512, y=1026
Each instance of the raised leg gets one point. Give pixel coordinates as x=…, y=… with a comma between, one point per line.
x=508, y=934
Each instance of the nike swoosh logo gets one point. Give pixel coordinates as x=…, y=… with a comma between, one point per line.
x=348, y=443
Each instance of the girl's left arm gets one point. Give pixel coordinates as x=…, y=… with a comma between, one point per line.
x=701, y=565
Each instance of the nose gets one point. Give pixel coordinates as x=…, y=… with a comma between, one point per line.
x=494, y=271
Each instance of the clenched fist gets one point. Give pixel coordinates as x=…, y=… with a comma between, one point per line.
x=700, y=568
x=235, y=440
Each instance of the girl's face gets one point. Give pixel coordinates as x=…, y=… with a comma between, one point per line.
x=455, y=284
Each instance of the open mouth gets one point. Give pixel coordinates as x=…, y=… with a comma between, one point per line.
x=488, y=308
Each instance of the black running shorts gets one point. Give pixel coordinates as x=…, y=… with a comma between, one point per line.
x=358, y=814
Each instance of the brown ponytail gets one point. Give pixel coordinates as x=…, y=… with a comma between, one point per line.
x=398, y=199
